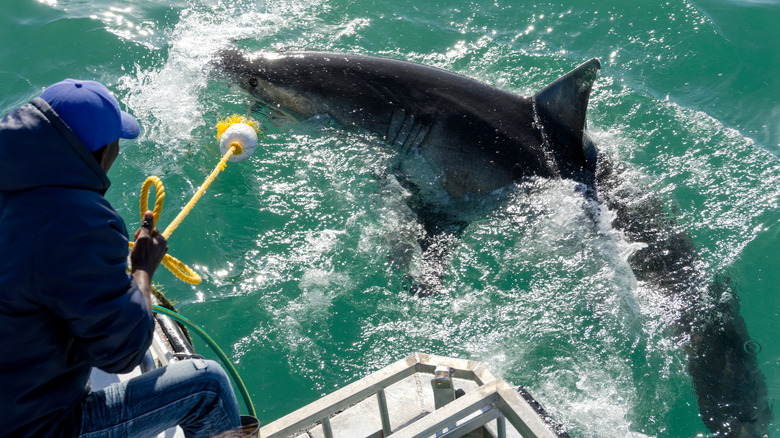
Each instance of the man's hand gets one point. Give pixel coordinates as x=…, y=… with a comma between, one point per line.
x=149, y=248
x=148, y=251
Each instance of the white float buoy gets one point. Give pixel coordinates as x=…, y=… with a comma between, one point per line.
x=242, y=133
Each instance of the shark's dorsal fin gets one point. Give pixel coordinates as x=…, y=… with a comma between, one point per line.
x=566, y=99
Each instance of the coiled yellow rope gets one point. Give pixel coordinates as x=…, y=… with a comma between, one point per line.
x=177, y=268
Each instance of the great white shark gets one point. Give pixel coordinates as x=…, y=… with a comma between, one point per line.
x=483, y=138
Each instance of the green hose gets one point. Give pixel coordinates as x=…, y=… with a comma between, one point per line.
x=231, y=369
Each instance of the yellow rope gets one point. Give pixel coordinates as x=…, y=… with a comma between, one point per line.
x=177, y=268
x=158, y=203
x=235, y=148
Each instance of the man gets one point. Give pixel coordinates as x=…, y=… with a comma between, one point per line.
x=67, y=302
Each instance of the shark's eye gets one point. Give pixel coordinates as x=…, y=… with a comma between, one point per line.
x=253, y=82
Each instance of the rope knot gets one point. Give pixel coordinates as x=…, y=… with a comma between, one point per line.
x=238, y=148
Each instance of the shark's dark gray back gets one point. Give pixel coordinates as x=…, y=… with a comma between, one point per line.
x=482, y=137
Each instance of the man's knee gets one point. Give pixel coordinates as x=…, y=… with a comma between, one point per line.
x=207, y=378
x=195, y=375
x=209, y=372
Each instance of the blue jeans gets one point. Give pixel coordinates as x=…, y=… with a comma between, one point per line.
x=193, y=394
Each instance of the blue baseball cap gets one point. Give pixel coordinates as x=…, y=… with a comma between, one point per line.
x=91, y=111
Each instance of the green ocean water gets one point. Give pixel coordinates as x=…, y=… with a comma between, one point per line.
x=296, y=244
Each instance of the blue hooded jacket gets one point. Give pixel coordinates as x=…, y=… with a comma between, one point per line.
x=67, y=302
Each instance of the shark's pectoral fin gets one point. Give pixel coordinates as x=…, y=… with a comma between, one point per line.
x=566, y=99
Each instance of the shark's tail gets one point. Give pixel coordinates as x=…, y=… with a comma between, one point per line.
x=729, y=387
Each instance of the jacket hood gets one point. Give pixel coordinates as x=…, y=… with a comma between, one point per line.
x=38, y=149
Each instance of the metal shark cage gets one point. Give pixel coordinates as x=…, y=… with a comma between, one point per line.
x=421, y=395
